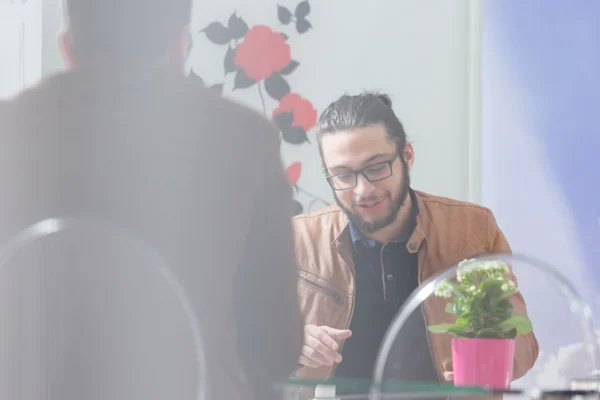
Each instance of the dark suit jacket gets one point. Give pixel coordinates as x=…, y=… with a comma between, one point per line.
x=199, y=180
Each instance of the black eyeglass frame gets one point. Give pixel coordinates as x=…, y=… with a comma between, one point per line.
x=363, y=173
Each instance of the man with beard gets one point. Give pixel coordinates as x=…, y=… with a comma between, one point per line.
x=360, y=259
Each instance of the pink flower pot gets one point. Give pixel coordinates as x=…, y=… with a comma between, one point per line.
x=483, y=362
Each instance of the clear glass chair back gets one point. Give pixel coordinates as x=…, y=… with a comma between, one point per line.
x=90, y=311
x=561, y=318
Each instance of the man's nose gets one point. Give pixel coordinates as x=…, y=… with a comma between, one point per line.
x=363, y=187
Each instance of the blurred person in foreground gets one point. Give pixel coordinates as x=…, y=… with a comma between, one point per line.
x=123, y=135
x=361, y=258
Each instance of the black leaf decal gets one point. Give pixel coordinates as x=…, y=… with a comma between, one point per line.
x=298, y=207
x=195, y=78
x=229, y=62
x=242, y=81
x=276, y=86
x=237, y=27
x=283, y=121
x=217, y=33
x=294, y=135
x=302, y=10
x=290, y=68
x=284, y=15
x=302, y=25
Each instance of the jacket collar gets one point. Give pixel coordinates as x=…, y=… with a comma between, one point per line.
x=419, y=235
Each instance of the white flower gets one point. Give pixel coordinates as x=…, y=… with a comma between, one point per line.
x=499, y=267
x=509, y=286
x=444, y=289
x=463, y=265
x=492, y=267
x=464, y=269
x=487, y=265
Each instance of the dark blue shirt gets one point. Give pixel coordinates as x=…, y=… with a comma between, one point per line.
x=390, y=266
x=385, y=276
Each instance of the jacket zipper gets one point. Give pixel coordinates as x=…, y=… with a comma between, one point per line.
x=339, y=299
x=349, y=320
x=342, y=345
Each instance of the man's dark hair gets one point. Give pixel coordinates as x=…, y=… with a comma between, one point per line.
x=359, y=111
x=125, y=28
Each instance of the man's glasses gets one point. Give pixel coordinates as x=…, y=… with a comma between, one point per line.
x=372, y=173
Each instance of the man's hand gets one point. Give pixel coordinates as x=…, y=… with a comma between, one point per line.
x=320, y=346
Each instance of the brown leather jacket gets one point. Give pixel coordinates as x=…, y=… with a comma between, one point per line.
x=447, y=231
x=200, y=179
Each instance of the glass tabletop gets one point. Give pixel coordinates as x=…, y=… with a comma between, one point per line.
x=309, y=389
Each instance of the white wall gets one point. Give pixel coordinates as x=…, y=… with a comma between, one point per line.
x=424, y=53
x=416, y=51
x=51, y=25
x=20, y=45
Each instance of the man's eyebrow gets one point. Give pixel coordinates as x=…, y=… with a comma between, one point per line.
x=373, y=157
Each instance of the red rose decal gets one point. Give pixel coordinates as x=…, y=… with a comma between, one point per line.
x=305, y=115
x=293, y=172
x=262, y=53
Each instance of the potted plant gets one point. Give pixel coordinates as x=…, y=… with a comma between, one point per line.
x=485, y=327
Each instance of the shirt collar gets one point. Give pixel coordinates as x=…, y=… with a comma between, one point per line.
x=357, y=236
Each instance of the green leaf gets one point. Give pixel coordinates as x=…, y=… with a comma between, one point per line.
x=460, y=310
x=510, y=334
x=505, y=327
x=504, y=304
x=501, y=312
x=452, y=329
x=439, y=328
x=464, y=320
x=490, y=333
x=458, y=288
x=458, y=331
x=492, y=288
x=519, y=322
x=449, y=308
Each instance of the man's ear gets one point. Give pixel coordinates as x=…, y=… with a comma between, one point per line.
x=409, y=155
x=65, y=45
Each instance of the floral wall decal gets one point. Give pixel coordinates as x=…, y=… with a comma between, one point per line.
x=294, y=117
x=260, y=58
x=293, y=172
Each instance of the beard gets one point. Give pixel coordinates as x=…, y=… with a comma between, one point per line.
x=380, y=223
